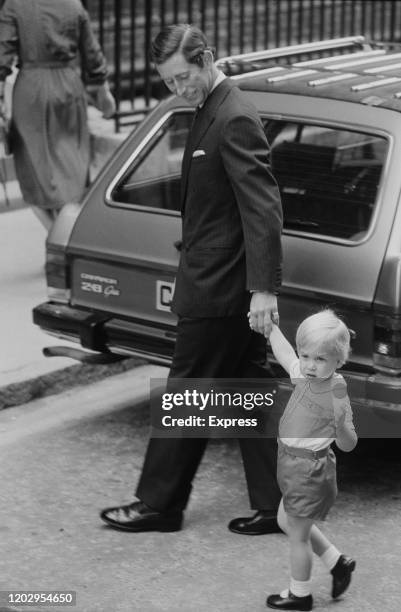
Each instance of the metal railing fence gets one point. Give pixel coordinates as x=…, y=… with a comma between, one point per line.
x=126, y=27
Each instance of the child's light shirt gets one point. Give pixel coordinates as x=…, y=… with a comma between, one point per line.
x=308, y=420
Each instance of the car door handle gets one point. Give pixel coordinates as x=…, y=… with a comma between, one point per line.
x=178, y=245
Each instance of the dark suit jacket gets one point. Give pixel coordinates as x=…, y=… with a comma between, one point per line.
x=231, y=209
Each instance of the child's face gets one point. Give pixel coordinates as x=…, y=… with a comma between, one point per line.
x=317, y=362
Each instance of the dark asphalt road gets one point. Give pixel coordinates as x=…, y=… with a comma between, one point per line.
x=65, y=458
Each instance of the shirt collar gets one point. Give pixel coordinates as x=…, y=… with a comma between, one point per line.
x=220, y=77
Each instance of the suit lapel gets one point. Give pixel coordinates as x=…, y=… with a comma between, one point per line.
x=203, y=119
x=186, y=159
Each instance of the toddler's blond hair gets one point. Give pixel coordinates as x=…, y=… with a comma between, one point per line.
x=325, y=330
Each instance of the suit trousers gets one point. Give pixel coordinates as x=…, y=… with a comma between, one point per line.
x=221, y=347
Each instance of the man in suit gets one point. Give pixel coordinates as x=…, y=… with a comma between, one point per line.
x=226, y=284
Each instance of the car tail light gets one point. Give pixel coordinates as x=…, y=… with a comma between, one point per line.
x=387, y=344
x=57, y=274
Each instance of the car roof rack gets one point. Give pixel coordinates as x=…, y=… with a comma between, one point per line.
x=383, y=68
x=319, y=46
x=336, y=58
x=362, y=61
x=339, y=68
x=374, y=84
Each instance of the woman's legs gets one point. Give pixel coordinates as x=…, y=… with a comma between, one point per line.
x=46, y=216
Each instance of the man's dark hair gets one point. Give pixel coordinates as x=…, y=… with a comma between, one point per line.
x=180, y=38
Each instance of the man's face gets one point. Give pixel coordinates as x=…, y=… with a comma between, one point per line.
x=189, y=81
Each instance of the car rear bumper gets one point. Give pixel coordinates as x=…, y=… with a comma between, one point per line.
x=104, y=333
x=101, y=332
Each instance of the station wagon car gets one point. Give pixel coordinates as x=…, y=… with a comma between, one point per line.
x=331, y=111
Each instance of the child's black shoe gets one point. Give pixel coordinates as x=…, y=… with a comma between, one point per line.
x=341, y=573
x=290, y=602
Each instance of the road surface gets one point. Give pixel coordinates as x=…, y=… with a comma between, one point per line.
x=65, y=457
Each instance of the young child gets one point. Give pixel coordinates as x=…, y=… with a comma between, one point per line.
x=317, y=414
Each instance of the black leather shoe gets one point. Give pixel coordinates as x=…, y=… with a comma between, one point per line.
x=260, y=523
x=291, y=602
x=342, y=575
x=139, y=517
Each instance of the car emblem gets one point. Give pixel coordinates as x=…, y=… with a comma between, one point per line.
x=164, y=295
x=101, y=285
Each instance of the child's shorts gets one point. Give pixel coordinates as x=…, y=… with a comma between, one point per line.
x=308, y=483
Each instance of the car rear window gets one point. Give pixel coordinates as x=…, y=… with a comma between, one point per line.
x=153, y=178
x=328, y=178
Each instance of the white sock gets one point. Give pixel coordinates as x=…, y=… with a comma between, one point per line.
x=330, y=557
x=300, y=588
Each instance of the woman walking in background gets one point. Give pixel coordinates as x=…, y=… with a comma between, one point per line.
x=50, y=136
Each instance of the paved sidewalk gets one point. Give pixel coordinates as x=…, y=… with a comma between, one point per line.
x=23, y=286
x=66, y=457
x=22, y=270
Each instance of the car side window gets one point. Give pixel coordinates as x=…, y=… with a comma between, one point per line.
x=328, y=178
x=153, y=178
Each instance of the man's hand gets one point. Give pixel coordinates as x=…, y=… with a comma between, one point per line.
x=262, y=311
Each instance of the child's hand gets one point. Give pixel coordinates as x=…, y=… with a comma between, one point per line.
x=339, y=416
x=346, y=437
x=339, y=393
